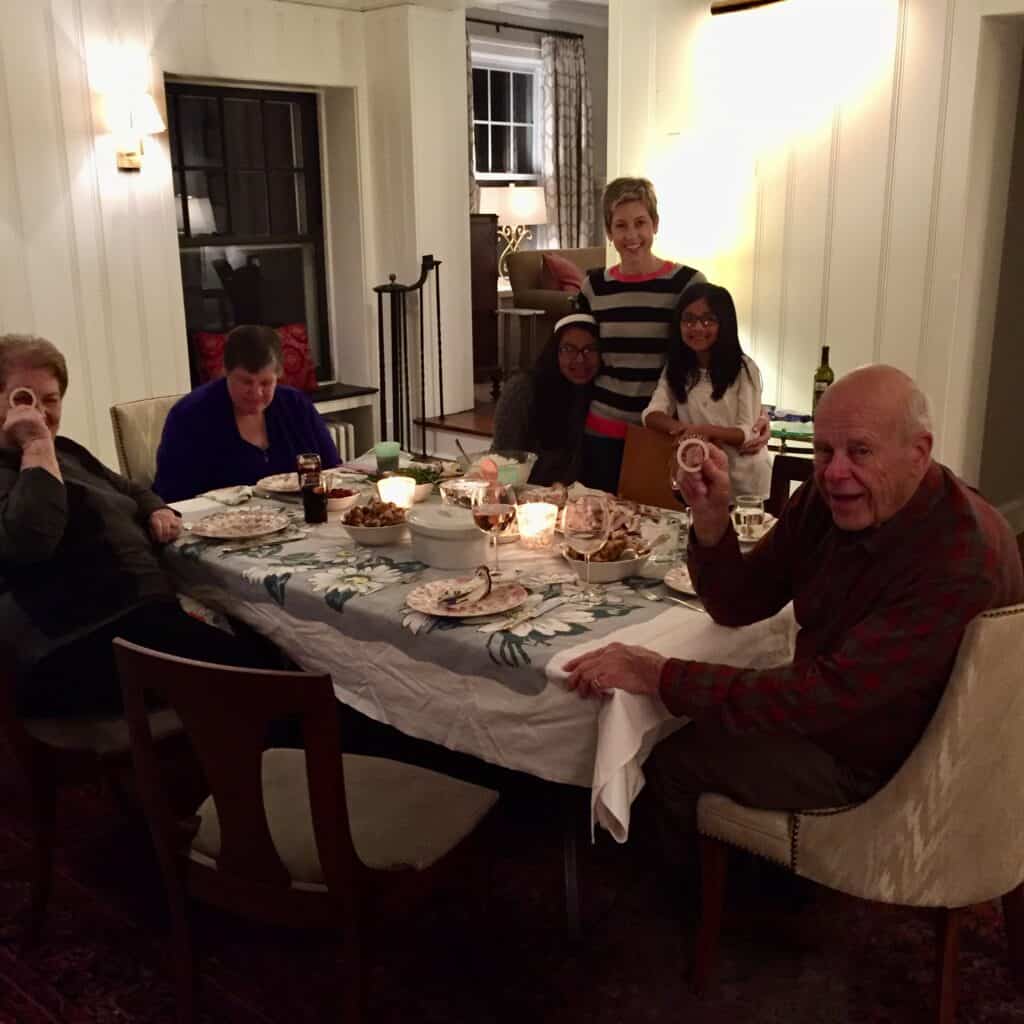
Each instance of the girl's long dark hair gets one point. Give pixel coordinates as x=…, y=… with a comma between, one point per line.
x=553, y=394
x=682, y=368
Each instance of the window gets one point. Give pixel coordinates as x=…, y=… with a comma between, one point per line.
x=246, y=168
x=506, y=111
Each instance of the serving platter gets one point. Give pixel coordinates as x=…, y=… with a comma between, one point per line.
x=280, y=483
x=239, y=524
x=502, y=598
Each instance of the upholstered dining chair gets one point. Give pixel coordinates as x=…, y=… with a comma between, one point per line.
x=297, y=837
x=946, y=832
x=138, y=427
x=52, y=752
x=646, y=464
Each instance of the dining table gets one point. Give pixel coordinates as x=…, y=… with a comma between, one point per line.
x=490, y=686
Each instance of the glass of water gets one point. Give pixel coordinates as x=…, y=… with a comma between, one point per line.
x=748, y=516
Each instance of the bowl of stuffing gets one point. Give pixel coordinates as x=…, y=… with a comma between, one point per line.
x=375, y=523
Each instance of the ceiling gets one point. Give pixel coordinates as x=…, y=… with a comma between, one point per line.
x=577, y=12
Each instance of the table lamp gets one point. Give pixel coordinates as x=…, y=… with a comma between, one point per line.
x=516, y=208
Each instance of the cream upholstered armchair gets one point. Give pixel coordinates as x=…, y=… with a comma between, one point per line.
x=946, y=832
x=137, y=430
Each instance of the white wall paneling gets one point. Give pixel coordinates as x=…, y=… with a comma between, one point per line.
x=859, y=157
x=89, y=256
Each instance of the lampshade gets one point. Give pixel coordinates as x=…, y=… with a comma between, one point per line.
x=515, y=205
x=146, y=119
x=200, y=216
x=132, y=115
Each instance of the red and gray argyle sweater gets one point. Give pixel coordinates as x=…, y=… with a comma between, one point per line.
x=881, y=614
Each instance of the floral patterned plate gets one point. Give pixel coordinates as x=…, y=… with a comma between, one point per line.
x=502, y=598
x=239, y=524
x=280, y=483
x=678, y=579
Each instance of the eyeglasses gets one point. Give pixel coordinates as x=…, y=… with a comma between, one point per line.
x=704, y=321
x=572, y=353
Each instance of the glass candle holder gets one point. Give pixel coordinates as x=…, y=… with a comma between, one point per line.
x=536, y=521
x=398, y=490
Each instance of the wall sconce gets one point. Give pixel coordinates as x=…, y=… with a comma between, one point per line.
x=516, y=208
x=132, y=118
x=729, y=6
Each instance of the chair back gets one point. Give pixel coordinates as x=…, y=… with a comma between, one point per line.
x=138, y=427
x=226, y=714
x=948, y=828
x=646, y=468
x=785, y=470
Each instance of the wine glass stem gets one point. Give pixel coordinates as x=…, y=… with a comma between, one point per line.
x=494, y=538
x=586, y=556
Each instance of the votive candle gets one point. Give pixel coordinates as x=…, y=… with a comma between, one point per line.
x=536, y=520
x=397, y=489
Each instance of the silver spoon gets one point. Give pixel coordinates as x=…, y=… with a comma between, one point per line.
x=675, y=600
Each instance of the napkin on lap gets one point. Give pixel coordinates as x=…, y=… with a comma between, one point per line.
x=230, y=495
x=630, y=725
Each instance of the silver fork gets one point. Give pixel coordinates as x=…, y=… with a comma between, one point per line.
x=675, y=600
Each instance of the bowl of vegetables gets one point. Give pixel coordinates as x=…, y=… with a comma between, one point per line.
x=426, y=474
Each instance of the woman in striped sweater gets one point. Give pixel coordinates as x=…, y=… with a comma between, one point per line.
x=633, y=302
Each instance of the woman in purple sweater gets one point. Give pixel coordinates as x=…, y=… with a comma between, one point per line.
x=239, y=428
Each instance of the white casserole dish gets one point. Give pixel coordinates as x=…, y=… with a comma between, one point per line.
x=445, y=537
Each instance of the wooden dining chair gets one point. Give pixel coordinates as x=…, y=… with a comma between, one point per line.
x=50, y=753
x=946, y=832
x=646, y=464
x=296, y=837
x=786, y=470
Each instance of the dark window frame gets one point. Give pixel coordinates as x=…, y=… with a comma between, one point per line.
x=308, y=104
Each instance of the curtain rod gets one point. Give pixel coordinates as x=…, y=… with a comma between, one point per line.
x=499, y=25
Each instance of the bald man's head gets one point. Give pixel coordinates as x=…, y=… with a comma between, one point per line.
x=872, y=445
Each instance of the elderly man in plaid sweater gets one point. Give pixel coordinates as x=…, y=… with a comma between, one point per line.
x=886, y=556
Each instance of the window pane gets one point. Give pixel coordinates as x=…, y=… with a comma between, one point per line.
x=243, y=130
x=248, y=204
x=500, y=87
x=199, y=118
x=522, y=98
x=500, y=155
x=282, y=124
x=207, y=203
x=480, y=96
x=483, y=160
x=287, y=204
x=524, y=151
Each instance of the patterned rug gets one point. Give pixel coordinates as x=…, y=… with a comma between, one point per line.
x=835, y=960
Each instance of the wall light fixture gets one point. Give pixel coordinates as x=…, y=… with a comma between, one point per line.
x=131, y=118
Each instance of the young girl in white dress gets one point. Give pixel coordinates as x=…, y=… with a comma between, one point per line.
x=710, y=389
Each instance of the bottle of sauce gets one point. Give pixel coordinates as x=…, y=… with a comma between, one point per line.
x=823, y=377
x=314, y=493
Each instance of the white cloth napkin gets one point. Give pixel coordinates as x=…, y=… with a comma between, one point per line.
x=630, y=725
x=229, y=495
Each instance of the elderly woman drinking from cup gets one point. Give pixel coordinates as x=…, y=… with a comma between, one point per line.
x=78, y=558
x=241, y=427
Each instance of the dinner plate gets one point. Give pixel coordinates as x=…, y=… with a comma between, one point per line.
x=502, y=598
x=239, y=524
x=280, y=483
x=678, y=579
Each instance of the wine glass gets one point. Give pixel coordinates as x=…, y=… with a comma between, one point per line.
x=494, y=510
x=586, y=521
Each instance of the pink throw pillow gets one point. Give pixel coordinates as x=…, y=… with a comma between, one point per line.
x=297, y=371
x=560, y=274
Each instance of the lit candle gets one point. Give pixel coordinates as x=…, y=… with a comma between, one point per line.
x=536, y=521
x=397, y=489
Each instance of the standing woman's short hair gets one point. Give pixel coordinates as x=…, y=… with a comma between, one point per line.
x=29, y=350
x=629, y=190
x=253, y=348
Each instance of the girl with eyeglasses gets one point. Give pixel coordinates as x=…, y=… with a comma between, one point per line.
x=543, y=411
x=710, y=389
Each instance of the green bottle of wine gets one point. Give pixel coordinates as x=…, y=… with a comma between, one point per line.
x=823, y=376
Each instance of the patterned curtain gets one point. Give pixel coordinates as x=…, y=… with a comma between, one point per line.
x=474, y=188
x=568, y=164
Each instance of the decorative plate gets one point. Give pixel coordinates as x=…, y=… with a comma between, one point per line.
x=239, y=524
x=678, y=579
x=280, y=483
x=502, y=598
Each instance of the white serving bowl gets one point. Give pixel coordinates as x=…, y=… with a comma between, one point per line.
x=422, y=492
x=523, y=462
x=445, y=537
x=607, y=572
x=375, y=536
x=343, y=504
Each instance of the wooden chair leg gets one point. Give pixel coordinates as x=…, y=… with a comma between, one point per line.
x=714, y=862
x=1013, y=921
x=946, y=973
